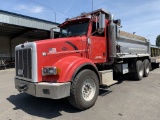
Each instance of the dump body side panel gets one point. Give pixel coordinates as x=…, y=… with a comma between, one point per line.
x=128, y=46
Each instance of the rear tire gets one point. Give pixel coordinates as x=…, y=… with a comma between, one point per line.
x=138, y=70
x=84, y=90
x=146, y=67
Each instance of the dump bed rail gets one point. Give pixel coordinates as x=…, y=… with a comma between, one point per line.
x=133, y=36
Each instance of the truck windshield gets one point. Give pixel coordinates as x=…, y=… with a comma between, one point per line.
x=74, y=29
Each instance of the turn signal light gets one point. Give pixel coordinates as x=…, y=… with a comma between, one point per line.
x=50, y=71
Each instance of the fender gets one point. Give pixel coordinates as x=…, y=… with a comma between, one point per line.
x=71, y=65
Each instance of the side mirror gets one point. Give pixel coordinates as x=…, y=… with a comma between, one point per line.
x=101, y=23
x=117, y=22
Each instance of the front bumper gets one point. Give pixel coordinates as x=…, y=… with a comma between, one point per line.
x=44, y=89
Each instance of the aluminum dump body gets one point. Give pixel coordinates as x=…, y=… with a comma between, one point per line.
x=130, y=45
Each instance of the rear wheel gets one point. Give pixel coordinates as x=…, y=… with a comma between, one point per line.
x=84, y=90
x=138, y=70
x=146, y=67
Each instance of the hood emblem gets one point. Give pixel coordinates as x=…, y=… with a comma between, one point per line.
x=52, y=50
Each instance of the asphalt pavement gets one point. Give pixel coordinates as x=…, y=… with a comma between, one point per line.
x=129, y=100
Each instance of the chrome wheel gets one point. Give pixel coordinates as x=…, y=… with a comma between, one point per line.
x=88, y=89
x=147, y=70
x=141, y=72
x=146, y=67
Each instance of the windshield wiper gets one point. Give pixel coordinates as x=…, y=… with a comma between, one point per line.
x=73, y=35
x=76, y=34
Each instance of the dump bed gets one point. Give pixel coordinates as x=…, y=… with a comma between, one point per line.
x=130, y=45
x=155, y=54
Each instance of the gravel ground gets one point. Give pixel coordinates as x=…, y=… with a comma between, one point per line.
x=129, y=100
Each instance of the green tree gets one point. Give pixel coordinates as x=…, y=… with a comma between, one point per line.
x=158, y=41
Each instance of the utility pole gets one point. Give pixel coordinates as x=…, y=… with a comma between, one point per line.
x=92, y=5
x=55, y=16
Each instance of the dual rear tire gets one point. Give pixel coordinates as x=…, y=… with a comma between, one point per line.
x=141, y=69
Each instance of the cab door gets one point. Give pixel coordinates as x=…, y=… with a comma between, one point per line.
x=98, y=51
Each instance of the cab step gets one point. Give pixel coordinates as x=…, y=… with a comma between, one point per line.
x=107, y=77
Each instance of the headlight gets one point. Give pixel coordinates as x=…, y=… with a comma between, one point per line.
x=50, y=71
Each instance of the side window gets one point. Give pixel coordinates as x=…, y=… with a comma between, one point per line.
x=95, y=32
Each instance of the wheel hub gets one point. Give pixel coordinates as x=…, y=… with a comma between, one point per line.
x=141, y=70
x=147, y=70
x=88, y=90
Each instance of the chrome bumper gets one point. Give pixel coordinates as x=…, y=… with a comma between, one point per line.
x=44, y=89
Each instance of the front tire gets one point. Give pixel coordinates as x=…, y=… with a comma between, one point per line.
x=84, y=90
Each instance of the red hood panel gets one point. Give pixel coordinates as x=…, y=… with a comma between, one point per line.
x=55, y=49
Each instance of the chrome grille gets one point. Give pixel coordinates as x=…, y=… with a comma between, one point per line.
x=24, y=63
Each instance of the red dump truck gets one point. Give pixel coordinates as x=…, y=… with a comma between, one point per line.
x=90, y=52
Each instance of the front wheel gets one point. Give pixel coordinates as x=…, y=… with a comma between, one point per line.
x=84, y=90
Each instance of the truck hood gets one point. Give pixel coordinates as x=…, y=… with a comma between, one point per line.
x=51, y=51
x=60, y=44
